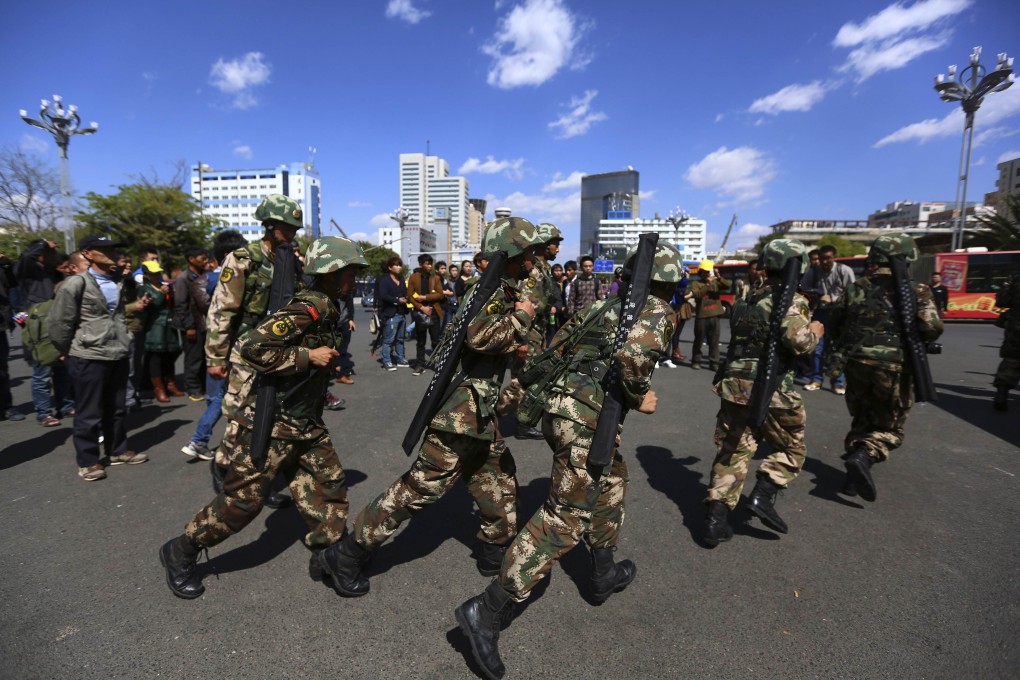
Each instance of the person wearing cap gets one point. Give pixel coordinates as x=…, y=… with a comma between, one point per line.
x=86, y=325
x=704, y=293
x=238, y=304
x=297, y=345
x=162, y=344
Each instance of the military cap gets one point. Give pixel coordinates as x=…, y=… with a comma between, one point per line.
x=513, y=235
x=549, y=232
x=778, y=251
x=333, y=253
x=280, y=208
x=889, y=245
x=90, y=242
x=667, y=266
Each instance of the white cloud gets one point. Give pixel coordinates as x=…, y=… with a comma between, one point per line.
x=358, y=204
x=648, y=194
x=238, y=76
x=541, y=207
x=740, y=173
x=243, y=151
x=381, y=220
x=891, y=54
x=997, y=107
x=405, y=11
x=490, y=166
x=579, y=119
x=991, y=134
x=360, y=236
x=897, y=19
x=1008, y=156
x=748, y=235
x=31, y=143
x=559, y=182
x=532, y=43
x=149, y=76
x=791, y=98
x=719, y=117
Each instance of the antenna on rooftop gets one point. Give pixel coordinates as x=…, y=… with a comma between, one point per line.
x=311, y=157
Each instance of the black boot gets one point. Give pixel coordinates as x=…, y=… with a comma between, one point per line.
x=717, y=524
x=849, y=488
x=480, y=619
x=762, y=503
x=489, y=558
x=607, y=576
x=218, y=475
x=343, y=562
x=277, y=500
x=858, y=470
x=1001, y=401
x=178, y=557
x=524, y=432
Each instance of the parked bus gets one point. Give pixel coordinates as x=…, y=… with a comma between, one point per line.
x=972, y=280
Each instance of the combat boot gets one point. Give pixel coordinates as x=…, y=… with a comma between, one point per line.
x=489, y=558
x=528, y=432
x=179, y=556
x=762, y=503
x=607, y=576
x=717, y=524
x=1001, y=401
x=858, y=470
x=343, y=562
x=480, y=619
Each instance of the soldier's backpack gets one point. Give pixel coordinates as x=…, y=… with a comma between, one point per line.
x=36, y=338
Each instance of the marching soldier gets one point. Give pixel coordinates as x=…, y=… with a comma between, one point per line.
x=238, y=304
x=868, y=335
x=297, y=345
x=463, y=439
x=736, y=439
x=1008, y=373
x=584, y=500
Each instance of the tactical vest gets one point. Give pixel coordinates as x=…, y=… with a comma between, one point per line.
x=300, y=396
x=749, y=325
x=874, y=323
x=257, y=283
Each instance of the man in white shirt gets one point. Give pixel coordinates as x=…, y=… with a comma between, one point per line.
x=826, y=283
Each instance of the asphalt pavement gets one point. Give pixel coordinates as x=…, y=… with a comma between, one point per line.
x=921, y=584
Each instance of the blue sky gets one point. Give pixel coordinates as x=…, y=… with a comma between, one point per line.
x=774, y=111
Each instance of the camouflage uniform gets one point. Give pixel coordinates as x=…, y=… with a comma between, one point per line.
x=463, y=438
x=300, y=446
x=1008, y=374
x=879, y=393
x=735, y=439
x=537, y=288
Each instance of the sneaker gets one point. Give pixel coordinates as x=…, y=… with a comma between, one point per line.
x=839, y=389
x=390, y=367
x=13, y=415
x=49, y=421
x=196, y=397
x=67, y=413
x=193, y=450
x=92, y=473
x=418, y=370
x=812, y=386
x=403, y=364
x=667, y=363
x=334, y=404
x=128, y=458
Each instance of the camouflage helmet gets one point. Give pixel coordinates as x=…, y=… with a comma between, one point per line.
x=511, y=234
x=280, y=208
x=549, y=232
x=331, y=254
x=778, y=251
x=667, y=266
x=892, y=244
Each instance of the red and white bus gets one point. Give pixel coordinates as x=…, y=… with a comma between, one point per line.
x=972, y=280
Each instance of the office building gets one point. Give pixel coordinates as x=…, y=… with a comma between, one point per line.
x=427, y=186
x=233, y=195
x=476, y=221
x=615, y=192
x=407, y=243
x=906, y=213
x=1008, y=184
x=618, y=234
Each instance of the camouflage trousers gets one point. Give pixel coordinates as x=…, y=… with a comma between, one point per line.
x=240, y=380
x=1008, y=374
x=316, y=479
x=736, y=443
x=487, y=468
x=583, y=501
x=878, y=400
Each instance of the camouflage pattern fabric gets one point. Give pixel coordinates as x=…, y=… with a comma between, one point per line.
x=889, y=245
x=1008, y=373
x=667, y=266
x=879, y=400
x=512, y=235
x=487, y=468
x=316, y=480
x=239, y=300
x=778, y=251
x=736, y=443
x=537, y=288
x=583, y=501
x=281, y=208
x=333, y=253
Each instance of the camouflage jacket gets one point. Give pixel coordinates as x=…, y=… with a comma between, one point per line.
x=579, y=393
x=749, y=328
x=863, y=322
x=538, y=289
x=492, y=337
x=279, y=346
x=240, y=299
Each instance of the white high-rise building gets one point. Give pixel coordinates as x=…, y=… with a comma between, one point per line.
x=615, y=237
x=425, y=186
x=233, y=195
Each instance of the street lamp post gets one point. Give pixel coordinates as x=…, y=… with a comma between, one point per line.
x=62, y=124
x=400, y=216
x=970, y=90
x=677, y=218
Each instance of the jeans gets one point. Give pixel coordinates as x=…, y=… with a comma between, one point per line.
x=393, y=340
x=816, y=373
x=41, y=376
x=214, y=390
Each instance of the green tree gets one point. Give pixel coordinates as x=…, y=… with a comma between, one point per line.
x=999, y=232
x=376, y=256
x=844, y=247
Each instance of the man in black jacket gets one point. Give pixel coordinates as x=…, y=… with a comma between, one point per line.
x=191, y=302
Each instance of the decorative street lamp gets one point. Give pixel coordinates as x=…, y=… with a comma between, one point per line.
x=62, y=124
x=677, y=218
x=970, y=90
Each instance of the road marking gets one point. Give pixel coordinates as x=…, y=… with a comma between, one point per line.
x=1008, y=473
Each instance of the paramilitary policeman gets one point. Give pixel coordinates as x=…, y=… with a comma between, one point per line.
x=584, y=500
x=296, y=345
x=735, y=439
x=1008, y=373
x=868, y=336
x=463, y=439
x=238, y=304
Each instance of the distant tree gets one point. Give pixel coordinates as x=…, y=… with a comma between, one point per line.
x=29, y=201
x=376, y=256
x=1000, y=232
x=844, y=247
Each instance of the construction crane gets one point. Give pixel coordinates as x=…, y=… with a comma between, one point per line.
x=722, y=248
x=339, y=228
